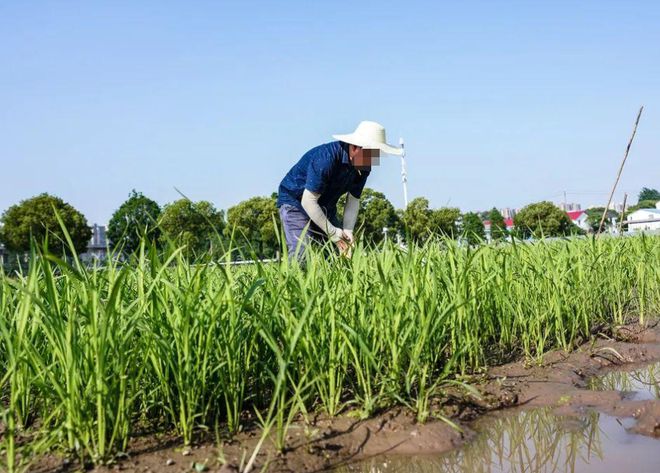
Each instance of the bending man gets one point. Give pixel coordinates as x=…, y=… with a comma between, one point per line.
x=308, y=194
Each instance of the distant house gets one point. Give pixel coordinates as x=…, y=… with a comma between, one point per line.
x=97, y=248
x=487, y=224
x=3, y=254
x=570, y=207
x=579, y=218
x=10, y=259
x=508, y=212
x=644, y=220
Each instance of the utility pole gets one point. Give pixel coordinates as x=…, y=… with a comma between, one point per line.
x=404, y=174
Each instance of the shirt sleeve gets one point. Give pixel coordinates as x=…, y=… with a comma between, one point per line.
x=318, y=173
x=358, y=184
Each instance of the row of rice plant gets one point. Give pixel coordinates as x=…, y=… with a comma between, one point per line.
x=90, y=356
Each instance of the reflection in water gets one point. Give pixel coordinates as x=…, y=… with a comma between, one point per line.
x=532, y=441
x=642, y=384
x=536, y=441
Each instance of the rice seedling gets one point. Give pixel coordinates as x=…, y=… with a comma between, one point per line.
x=95, y=353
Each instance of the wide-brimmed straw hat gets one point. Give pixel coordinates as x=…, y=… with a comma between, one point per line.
x=369, y=135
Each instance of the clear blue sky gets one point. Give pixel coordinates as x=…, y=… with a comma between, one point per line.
x=500, y=103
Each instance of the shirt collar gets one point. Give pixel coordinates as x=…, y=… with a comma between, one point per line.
x=344, y=153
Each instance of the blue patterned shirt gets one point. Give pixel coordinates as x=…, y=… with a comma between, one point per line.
x=325, y=170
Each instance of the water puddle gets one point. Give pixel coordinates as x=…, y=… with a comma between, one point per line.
x=536, y=441
x=641, y=384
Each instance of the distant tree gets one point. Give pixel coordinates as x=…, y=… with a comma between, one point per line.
x=543, y=219
x=498, y=229
x=642, y=204
x=416, y=219
x=473, y=228
x=596, y=213
x=376, y=213
x=254, y=224
x=36, y=218
x=193, y=224
x=399, y=216
x=648, y=194
x=134, y=219
x=444, y=221
x=484, y=215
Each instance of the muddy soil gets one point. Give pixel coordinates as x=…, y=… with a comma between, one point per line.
x=561, y=382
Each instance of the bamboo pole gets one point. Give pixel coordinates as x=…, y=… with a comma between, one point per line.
x=623, y=213
x=618, y=176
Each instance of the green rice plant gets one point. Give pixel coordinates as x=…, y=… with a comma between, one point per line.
x=89, y=359
x=95, y=354
x=281, y=409
x=181, y=344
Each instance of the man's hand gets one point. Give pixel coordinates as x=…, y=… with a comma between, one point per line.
x=344, y=248
x=344, y=240
x=348, y=235
x=338, y=235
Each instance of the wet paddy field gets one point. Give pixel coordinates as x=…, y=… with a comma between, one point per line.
x=595, y=409
x=538, y=440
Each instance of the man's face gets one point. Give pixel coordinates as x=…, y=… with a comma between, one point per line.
x=364, y=158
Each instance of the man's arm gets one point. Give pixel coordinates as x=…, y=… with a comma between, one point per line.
x=350, y=215
x=310, y=202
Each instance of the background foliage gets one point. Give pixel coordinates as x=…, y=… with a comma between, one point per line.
x=254, y=224
x=195, y=225
x=36, y=217
x=543, y=219
x=134, y=219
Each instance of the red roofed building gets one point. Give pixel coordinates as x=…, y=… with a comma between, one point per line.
x=579, y=218
x=507, y=221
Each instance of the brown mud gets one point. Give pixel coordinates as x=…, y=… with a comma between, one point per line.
x=560, y=382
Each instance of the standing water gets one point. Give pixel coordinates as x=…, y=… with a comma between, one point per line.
x=641, y=384
x=538, y=441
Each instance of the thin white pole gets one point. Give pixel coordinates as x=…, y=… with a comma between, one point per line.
x=404, y=174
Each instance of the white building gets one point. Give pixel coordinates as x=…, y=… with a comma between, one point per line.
x=579, y=218
x=508, y=212
x=644, y=220
x=616, y=206
x=97, y=246
x=570, y=206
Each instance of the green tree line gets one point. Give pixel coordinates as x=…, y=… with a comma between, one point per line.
x=252, y=226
